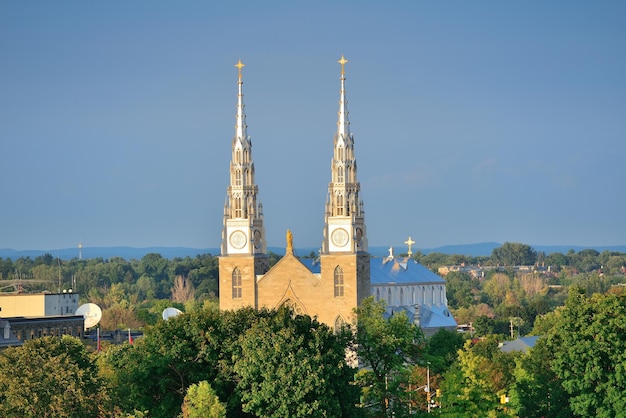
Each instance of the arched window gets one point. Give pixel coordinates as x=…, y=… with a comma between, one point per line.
x=339, y=323
x=340, y=172
x=238, y=211
x=237, y=177
x=294, y=306
x=339, y=205
x=338, y=281
x=236, y=283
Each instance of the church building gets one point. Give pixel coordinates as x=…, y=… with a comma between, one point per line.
x=340, y=279
x=332, y=285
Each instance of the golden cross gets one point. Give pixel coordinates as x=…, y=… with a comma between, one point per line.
x=239, y=66
x=342, y=61
x=409, y=242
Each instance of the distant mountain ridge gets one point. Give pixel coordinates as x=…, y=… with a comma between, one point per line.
x=129, y=253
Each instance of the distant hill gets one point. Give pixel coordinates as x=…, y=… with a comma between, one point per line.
x=130, y=253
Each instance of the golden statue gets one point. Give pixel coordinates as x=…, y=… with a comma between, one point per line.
x=289, y=241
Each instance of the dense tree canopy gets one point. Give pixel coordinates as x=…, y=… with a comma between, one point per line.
x=589, y=346
x=293, y=366
x=50, y=377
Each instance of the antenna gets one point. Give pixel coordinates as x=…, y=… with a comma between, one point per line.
x=91, y=312
x=80, y=250
x=170, y=313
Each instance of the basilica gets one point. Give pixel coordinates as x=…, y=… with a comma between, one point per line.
x=332, y=285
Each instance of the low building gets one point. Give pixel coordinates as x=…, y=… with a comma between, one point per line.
x=27, y=316
x=38, y=304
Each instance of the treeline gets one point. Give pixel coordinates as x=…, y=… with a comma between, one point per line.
x=133, y=293
x=517, y=254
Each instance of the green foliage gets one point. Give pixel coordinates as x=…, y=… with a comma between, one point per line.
x=293, y=366
x=537, y=391
x=441, y=349
x=459, y=289
x=247, y=357
x=386, y=347
x=201, y=401
x=589, y=346
x=472, y=386
x=50, y=377
x=514, y=254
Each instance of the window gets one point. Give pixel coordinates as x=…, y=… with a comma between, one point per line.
x=236, y=284
x=338, y=281
x=339, y=323
x=339, y=205
x=238, y=178
x=401, y=296
x=340, y=172
x=237, y=207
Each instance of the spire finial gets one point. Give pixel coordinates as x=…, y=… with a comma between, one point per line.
x=343, y=62
x=239, y=66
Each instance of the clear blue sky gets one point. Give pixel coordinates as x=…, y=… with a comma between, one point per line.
x=473, y=121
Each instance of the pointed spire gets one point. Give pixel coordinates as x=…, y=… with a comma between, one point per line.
x=343, y=125
x=241, y=127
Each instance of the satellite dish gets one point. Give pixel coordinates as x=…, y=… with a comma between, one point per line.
x=170, y=313
x=91, y=312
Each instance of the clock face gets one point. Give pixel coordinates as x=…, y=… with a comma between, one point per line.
x=339, y=237
x=238, y=239
x=257, y=238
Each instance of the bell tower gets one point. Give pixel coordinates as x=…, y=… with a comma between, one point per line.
x=344, y=245
x=243, y=250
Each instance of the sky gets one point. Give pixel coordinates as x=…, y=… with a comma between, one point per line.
x=482, y=121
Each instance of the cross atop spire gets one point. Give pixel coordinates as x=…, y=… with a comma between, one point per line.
x=343, y=62
x=410, y=243
x=240, y=65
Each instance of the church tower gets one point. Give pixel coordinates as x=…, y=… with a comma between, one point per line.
x=344, y=256
x=243, y=252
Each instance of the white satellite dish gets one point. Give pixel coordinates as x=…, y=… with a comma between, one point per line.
x=91, y=312
x=170, y=313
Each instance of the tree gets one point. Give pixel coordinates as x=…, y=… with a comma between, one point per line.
x=589, y=346
x=154, y=373
x=471, y=387
x=183, y=290
x=514, y=254
x=201, y=401
x=459, y=289
x=50, y=377
x=283, y=350
x=386, y=346
x=537, y=391
x=441, y=349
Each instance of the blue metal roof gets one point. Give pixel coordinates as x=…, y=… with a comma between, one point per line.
x=400, y=270
x=386, y=270
x=430, y=316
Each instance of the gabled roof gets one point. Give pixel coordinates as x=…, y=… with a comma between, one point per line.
x=520, y=344
x=401, y=271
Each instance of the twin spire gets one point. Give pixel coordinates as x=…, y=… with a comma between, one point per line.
x=343, y=192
